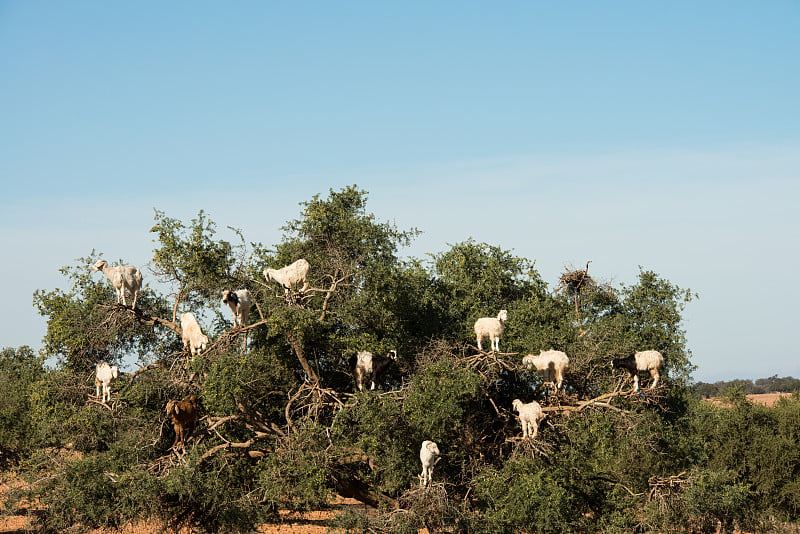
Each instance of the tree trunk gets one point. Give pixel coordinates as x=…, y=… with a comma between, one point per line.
x=355, y=489
x=298, y=350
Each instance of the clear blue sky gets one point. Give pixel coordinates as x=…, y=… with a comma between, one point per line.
x=661, y=135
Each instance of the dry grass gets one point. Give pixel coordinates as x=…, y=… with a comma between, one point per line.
x=767, y=399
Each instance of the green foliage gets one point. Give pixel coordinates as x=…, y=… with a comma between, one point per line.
x=757, y=446
x=438, y=401
x=256, y=379
x=86, y=493
x=524, y=496
x=339, y=232
x=20, y=371
x=653, y=312
x=60, y=416
x=297, y=475
x=478, y=280
x=703, y=502
x=282, y=428
x=191, y=258
x=217, y=496
x=375, y=428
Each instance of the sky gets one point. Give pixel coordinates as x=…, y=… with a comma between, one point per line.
x=660, y=136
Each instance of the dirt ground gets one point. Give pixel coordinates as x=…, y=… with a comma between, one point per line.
x=315, y=522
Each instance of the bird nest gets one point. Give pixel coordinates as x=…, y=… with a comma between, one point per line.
x=577, y=281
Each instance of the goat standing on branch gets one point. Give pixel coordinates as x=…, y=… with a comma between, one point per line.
x=428, y=455
x=122, y=277
x=239, y=302
x=648, y=360
x=552, y=364
x=365, y=364
x=492, y=328
x=184, y=417
x=290, y=276
x=530, y=415
x=193, y=338
x=103, y=375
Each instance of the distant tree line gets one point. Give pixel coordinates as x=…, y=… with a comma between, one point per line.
x=773, y=384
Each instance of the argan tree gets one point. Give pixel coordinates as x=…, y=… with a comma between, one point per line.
x=282, y=426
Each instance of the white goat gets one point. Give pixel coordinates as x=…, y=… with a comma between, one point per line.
x=647, y=360
x=192, y=336
x=428, y=455
x=492, y=328
x=550, y=363
x=290, y=276
x=529, y=417
x=239, y=302
x=122, y=277
x=103, y=375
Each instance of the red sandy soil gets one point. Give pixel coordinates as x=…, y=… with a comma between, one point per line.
x=10, y=523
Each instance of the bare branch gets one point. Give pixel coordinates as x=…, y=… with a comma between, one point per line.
x=232, y=445
x=597, y=401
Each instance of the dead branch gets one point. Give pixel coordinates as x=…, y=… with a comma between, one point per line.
x=661, y=486
x=487, y=360
x=597, y=401
x=351, y=487
x=140, y=370
x=288, y=409
x=220, y=421
x=227, y=445
x=617, y=482
x=162, y=465
x=177, y=301
x=94, y=400
x=529, y=447
x=330, y=291
x=497, y=411
x=255, y=420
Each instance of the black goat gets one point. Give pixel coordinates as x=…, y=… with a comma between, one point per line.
x=365, y=364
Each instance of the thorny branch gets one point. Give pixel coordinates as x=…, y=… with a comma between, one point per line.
x=312, y=398
x=141, y=316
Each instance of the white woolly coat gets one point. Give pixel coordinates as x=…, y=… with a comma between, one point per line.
x=428, y=454
x=552, y=364
x=192, y=336
x=530, y=415
x=490, y=327
x=291, y=275
x=104, y=374
x=122, y=277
